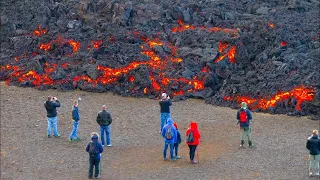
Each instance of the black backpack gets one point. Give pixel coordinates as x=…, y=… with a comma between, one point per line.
x=190, y=138
x=93, y=149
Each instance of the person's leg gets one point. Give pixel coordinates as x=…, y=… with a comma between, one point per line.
x=102, y=135
x=190, y=151
x=72, y=132
x=91, y=163
x=193, y=150
x=176, y=149
x=162, y=120
x=108, y=135
x=317, y=166
x=96, y=172
x=242, y=135
x=55, y=126
x=171, y=151
x=75, y=134
x=166, y=116
x=311, y=166
x=49, y=126
x=248, y=132
x=165, y=150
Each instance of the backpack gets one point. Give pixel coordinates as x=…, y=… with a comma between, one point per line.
x=190, y=138
x=169, y=133
x=93, y=149
x=243, y=116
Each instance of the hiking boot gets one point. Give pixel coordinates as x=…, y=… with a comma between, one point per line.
x=250, y=144
x=109, y=145
x=77, y=139
x=69, y=139
x=194, y=162
x=178, y=157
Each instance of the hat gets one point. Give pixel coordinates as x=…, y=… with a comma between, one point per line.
x=163, y=95
x=175, y=125
x=244, y=105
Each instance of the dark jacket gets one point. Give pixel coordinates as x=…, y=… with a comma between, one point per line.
x=75, y=114
x=165, y=106
x=104, y=118
x=51, y=107
x=313, y=145
x=249, y=116
x=196, y=134
x=99, y=146
x=178, y=137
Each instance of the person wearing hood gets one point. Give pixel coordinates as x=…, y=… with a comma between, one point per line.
x=165, y=104
x=193, y=136
x=94, y=148
x=169, y=134
x=51, y=106
x=244, y=117
x=313, y=145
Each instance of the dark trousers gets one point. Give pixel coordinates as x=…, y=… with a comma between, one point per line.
x=94, y=162
x=192, y=151
x=176, y=148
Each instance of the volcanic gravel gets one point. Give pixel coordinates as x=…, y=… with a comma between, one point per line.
x=26, y=152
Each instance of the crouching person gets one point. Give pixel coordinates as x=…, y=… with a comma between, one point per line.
x=94, y=148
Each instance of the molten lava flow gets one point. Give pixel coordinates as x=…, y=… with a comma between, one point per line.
x=45, y=47
x=283, y=43
x=301, y=94
x=39, y=31
x=131, y=79
x=75, y=45
x=271, y=25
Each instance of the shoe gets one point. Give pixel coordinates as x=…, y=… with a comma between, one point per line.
x=90, y=177
x=48, y=136
x=97, y=177
x=164, y=159
x=109, y=145
x=57, y=135
x=310, y=174
x=69, y=139
x=173, y=159
x=178, y=157
x=194, y=162
x=77, y=139
x=102, y=144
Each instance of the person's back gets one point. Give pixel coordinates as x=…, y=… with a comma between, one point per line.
x=51, y=107
x=104, y=118
x=94, y=148
x=164, y=109
x=244, y=117
x=169, y=133
x=192, y=141
x=165, y=106
x=313, y=145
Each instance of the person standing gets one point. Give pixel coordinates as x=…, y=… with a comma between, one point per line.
x=94, y=148
x=193, y=136
x=176, y=143
x=313, y=145
x=75, y=122
x=169, y=134
x=51, y=106
x=244, y=117
x=104, y=120
x=165, y=104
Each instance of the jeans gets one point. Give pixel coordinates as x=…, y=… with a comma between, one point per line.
x=73, y=134
x=192, y=151
x=176, y=148
x=163, y=119
x=314, y=163
x=94, y=162
x=53, y=122
x=165, y=150
x=246, y=131
x=107, y=130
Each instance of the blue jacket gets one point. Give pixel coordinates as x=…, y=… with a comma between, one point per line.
x=174, y=131
x=249, y=115
x=75, y=114
x=100, y=148
x=51, y=107
x=313, y=145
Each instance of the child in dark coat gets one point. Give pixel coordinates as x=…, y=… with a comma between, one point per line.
x=94, y=148
x=176, y=144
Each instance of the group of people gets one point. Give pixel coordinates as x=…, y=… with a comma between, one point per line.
x=94, y=147
x=168, y=130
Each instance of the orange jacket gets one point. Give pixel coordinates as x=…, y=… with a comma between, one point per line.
x=196, y=134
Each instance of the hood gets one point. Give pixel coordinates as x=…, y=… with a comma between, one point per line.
x=193, y=126
x=170, y=121
x=94, y=138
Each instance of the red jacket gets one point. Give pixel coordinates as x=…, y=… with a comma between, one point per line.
x=196, y=134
